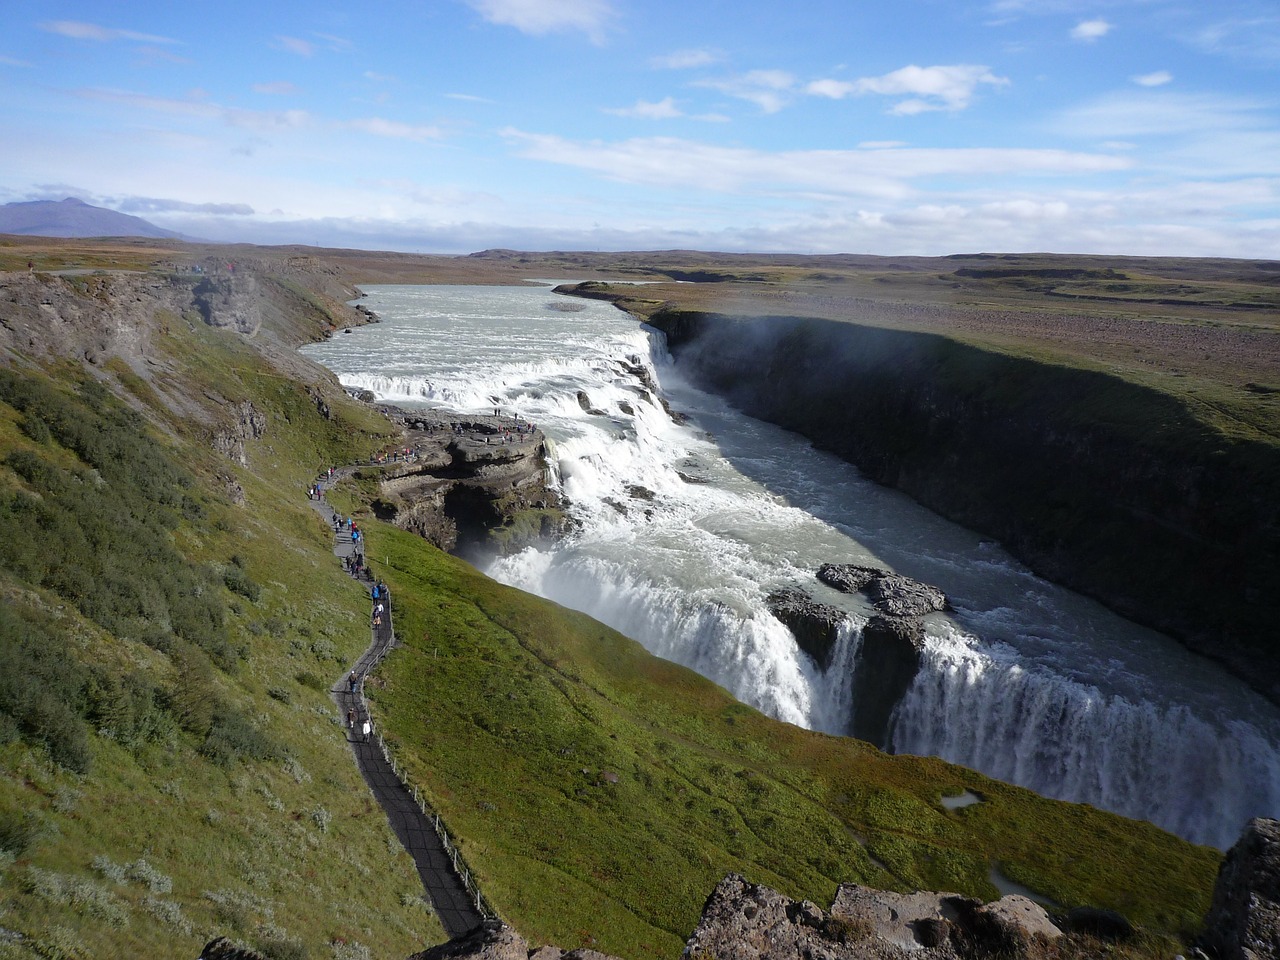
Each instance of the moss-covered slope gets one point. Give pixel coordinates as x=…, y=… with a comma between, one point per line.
x=601, y=792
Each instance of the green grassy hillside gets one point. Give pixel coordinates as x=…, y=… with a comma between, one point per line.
x=601, y=792
x=171, y=766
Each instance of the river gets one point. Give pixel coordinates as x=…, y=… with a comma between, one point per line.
x=686, y=527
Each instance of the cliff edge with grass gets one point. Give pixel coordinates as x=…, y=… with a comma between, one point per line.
x=1115, y=489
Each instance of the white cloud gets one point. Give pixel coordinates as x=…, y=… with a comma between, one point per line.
x=664, y=109
x=1184, y=134
x=943, y=87
x=1161, y=113
x=770, y=90
x=381, y=127
x=835, y=89
x=79, y=30
x=13, y=61
x=685, y=59
x=1157, y=79
x=202, y=109
x=678, y=163
x=1253, y=38
x=336, y=44
x=278, y=88
x=538, y=17
x=303, y=48
x=138, y=205
x=1090, y=30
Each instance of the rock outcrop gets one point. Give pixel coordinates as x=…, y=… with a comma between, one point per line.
x=1244, y=921
x=247, y=423
x=813, y=624
x=888, y=662
x=472, y=485
x=892, y=594
x=220, y=948
x=496, y=941
x=747, y=921
x=889, y=656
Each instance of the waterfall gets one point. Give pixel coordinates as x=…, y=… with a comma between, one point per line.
x=985, y=709
x=684, y=528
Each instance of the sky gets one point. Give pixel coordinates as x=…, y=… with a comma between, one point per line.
x=1145, y=127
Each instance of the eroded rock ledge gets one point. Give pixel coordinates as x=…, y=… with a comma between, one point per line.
x=469, y=484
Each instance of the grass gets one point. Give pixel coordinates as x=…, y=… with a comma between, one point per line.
x=600, y=792
x=177, y=796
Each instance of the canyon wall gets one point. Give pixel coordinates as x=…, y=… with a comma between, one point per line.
x=1112, y=489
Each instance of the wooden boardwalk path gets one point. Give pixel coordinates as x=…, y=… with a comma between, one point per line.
x=458, y=907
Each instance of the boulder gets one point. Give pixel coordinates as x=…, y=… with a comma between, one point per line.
x=909, y=921
x=847, y=577
x=747, y=921
x=1243, y=922
x=898, y=596
x=1011, y=924
x=892, y=594
x=813, y=624
x=492, y=940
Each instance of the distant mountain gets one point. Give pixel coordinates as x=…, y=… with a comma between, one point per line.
x=75, y=218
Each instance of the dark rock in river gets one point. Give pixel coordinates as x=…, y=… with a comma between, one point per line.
x=893, y=594
x=891, y=642
x=847, y=577
x=813, y=624
x=1244, y=921
x=584, y=402
x=887, y=664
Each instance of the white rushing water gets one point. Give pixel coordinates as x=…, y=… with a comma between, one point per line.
x=686, y=528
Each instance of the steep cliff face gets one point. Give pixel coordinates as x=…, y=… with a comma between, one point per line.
x=472, y=487
x=1107, y=487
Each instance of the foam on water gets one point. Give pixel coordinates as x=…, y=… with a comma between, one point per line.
x=684, y=529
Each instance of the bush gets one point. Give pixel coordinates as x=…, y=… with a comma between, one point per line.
x=18, y=831
x=43, y=689
x=232, y=737
x=35, y=428
x=238, y=581
x=312, y=682
x=101, y=537
x=144, y=873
